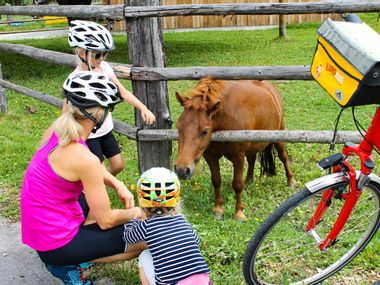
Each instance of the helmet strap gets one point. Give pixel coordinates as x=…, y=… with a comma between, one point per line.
x=85, y=59
x=99, y=123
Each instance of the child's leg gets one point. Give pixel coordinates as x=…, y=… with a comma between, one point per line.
x=112, y=152
x=116, y=164
x=146, y=268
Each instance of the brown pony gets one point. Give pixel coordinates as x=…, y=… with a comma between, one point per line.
x=229, y=105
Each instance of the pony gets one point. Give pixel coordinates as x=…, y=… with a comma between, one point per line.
x=216, y=105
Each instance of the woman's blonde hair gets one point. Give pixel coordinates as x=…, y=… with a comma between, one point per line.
x=67, y=126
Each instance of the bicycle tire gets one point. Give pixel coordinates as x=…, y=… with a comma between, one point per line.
x=273, y=265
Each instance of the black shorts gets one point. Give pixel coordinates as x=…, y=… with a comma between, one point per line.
x=91, y=242
x=104, y=146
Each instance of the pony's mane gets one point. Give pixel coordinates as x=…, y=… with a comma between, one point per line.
x=207, y=89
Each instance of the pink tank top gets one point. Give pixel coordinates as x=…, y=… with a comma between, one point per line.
x=50, y=211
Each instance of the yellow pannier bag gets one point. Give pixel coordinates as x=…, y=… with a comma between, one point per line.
x=346, y=62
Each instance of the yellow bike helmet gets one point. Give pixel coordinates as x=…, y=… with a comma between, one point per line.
x=158, y=187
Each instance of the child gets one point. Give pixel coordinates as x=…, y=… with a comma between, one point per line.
x=92, y=42
x=174, y=256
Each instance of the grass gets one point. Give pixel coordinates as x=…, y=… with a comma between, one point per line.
x=307, y=107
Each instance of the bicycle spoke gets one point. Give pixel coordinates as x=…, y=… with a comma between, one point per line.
x=288, y=254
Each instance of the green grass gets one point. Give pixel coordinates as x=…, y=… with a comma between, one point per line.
x=307, y=107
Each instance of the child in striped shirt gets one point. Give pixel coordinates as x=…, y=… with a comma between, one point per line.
x=173, y=256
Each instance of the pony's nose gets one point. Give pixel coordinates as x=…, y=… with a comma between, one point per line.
x=183, y=172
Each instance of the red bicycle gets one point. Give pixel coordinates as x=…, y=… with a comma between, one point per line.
x=317, y=231
x=320, y=229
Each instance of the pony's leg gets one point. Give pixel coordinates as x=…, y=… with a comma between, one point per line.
x=216, y=180
x=251, y=159
x=283, y=155
x=238, y=185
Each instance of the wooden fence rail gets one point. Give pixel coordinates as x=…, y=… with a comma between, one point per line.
x=296, y=136
x=120, y=12
x=323, y=7
x=297, y=72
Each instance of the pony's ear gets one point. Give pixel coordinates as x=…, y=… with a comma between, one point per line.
x=213, y=106
x=181, y=99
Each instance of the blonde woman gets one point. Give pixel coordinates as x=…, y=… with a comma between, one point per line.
x=92, y=42
x=65, y=209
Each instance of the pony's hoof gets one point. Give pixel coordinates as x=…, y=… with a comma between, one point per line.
x=219, y=216
x=240, y=217
x=292, y=186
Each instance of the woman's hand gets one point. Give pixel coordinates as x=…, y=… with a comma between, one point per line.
x=125, y=196
x=147, y=116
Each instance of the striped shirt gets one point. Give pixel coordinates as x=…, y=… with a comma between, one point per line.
x=174, y=246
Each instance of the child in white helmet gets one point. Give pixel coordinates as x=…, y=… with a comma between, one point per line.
x=92, y=42
x=173, y=256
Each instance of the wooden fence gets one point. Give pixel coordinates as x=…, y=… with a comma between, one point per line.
x=149, y=74
x=183, y=73
x=189, y=22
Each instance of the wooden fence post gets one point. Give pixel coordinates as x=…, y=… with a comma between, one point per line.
x=145, y=44
x=3, y=98
x=282, y=23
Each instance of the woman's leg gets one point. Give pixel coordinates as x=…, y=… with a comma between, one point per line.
x=92, y=243
x=133, y=251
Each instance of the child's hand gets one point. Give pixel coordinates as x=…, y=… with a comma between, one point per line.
x=147, y=116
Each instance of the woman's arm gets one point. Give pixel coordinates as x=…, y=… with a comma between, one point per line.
x=90, y=171
x=122, y=191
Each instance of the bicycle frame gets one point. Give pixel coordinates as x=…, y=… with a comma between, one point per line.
x=364, y=152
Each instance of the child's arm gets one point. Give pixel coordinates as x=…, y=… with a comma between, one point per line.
x=135, y=231
x=147, y=116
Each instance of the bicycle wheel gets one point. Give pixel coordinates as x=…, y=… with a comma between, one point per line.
x=281, y=252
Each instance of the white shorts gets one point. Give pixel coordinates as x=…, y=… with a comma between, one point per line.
x=146, y=262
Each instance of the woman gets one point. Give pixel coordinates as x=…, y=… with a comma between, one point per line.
x=92, y=42
x=65, y=209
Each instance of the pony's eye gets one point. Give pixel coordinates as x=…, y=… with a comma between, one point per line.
x=204, y=132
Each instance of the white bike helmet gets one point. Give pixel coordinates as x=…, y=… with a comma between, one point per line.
x=90, y=36
x=89, y=89
x=158, y=187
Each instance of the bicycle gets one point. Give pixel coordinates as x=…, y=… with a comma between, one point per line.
x=320, y=229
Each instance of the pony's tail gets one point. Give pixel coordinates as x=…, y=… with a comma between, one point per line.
x=267, y=163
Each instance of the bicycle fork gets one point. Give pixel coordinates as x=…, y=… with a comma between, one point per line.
x=351, y=198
